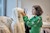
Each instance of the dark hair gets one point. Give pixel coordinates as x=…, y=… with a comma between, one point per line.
x=38, y=10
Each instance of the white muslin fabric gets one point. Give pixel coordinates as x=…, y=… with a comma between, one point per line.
x=18, y=23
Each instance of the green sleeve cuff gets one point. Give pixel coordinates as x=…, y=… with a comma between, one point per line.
x=25, y=18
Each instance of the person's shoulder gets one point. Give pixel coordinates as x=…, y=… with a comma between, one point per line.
x=39, y=17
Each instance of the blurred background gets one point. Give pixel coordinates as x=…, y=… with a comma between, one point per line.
x=6, y=6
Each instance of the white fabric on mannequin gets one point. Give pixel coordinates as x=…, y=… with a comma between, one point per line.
x=15, y=19
x=17, y=26
x=4, y=28
x=6, y=21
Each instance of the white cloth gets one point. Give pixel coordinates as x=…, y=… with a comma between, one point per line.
x=18, y=24
x=6, y=21
x=4, y=28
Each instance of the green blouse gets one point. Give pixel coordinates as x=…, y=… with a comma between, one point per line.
x=35, y=23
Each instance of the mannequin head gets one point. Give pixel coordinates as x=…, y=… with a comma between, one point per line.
x=20, y=10
x=20, y=17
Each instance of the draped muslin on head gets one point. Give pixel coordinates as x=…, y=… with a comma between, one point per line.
x=18, y=25
x=16, y=12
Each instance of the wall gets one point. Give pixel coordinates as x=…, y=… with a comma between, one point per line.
x=2, y=7
x=45, y=4
x=11, y=4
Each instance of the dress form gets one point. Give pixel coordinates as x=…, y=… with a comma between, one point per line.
x=18, y=25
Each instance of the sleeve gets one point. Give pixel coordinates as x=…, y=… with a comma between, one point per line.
x=25, y=18
x=38, y=22
x=35, y=21
x=27, y=21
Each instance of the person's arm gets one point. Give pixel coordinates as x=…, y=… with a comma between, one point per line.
x=25, y=18
x=27, y=21
x=37, y=21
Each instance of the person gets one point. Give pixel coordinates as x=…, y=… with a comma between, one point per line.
x=35, y=22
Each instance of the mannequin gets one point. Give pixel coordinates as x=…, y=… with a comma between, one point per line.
x=18, y=23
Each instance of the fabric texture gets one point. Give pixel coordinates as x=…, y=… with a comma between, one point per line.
x=6, y=21
x=4, y=28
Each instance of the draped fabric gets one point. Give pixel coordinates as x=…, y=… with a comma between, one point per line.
x=9, y=25
x=18, y=24
x=4, y=28
x=5, y=24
